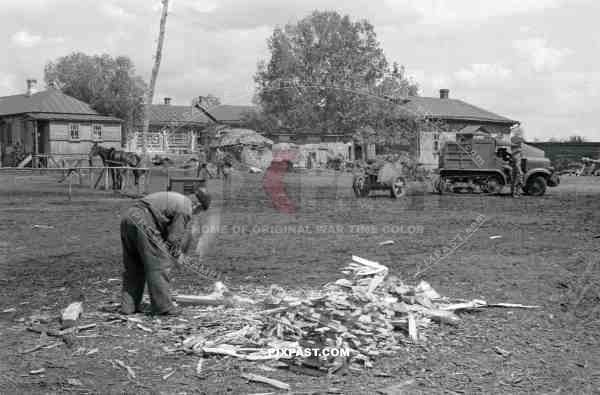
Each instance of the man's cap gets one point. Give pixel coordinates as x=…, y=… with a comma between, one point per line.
x=203, y=198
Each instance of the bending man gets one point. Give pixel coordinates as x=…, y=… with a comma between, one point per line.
x=154, y=232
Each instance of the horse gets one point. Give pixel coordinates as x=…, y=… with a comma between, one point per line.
x=112, y=157
x=129, y=159
x=105, y=154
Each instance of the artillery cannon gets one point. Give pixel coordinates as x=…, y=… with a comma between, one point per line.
x=378, y=175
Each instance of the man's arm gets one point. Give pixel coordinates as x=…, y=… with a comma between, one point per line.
x=177, y=233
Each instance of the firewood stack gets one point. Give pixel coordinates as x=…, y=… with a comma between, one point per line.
x=359, y=315
x=369, y=315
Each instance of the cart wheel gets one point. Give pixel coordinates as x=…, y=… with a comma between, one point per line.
x=398, y=188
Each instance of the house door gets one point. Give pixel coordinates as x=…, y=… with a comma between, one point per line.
x=43, y=141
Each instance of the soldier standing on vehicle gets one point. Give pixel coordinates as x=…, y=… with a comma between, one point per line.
x=515, y=163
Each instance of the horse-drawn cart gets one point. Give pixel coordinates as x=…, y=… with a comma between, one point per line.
x=378, y=176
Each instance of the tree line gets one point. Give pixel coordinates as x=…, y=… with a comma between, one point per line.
x=338, y=79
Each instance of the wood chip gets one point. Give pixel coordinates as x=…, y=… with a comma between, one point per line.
x=71, y=314
x=74, y=382
x=32, y=349
x=265, y=380
x=86, y=327
x=412, y=327
x=38, y=371
x=130, y=371
x=144, y=328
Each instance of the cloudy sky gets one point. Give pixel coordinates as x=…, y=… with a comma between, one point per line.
x=536, y=61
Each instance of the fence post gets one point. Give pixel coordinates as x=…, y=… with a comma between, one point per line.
x=106, y=179
x=124, y=179
x=70, y=178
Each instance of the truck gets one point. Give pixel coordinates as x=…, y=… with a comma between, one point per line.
x=479, y=163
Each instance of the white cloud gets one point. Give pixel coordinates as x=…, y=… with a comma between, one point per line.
x=115, y=11
x=25, y=39
x=439, y=12
x=541, y=56
x=482, y=73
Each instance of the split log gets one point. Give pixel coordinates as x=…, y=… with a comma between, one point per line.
x=201, y=300
x=412, y=327
x=474, y=304
x=265, y=380
x=226, y=349
x=514, y=305
x=71, y=314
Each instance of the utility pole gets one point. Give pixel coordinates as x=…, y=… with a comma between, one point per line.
x=157, y=58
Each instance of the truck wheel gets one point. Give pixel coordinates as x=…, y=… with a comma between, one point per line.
x=536, y=186
x=398, y=188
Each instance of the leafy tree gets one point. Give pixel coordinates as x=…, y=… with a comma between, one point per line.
x=326, y=72
x=108, y=84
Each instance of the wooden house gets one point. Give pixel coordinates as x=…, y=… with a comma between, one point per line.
x=180, y=129
x=50, y=124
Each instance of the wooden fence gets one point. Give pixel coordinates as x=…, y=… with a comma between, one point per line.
x=93, y=177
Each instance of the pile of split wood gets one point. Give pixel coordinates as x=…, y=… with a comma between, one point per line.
x=369, y=314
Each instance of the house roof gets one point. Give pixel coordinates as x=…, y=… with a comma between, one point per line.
x=163, y=114
x=450, y=109
x=71, y=117
x=51, y=101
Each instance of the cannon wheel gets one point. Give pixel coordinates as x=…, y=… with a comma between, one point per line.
x=398, y=188
x=361, y=186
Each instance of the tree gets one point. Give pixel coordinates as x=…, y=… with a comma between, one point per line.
x=575, y=139
x=326, y=72
x=108, y=84
x=396, y=85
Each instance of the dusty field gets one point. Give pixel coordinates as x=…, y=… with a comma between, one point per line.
x=548, y=254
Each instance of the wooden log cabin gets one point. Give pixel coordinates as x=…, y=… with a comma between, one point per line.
x=48, y=124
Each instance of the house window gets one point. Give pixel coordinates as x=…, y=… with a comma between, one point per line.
x=74, y=131
x=97, y=132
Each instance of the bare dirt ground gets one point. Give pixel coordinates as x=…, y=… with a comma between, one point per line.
x=548, y=255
